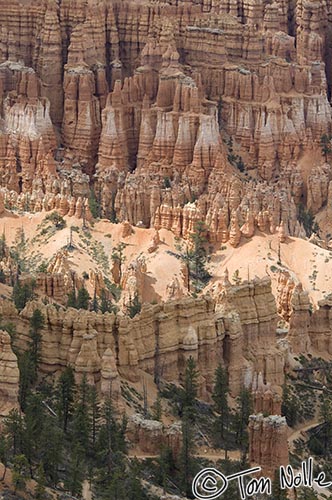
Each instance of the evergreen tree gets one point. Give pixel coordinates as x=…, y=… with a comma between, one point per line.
x=110, y=449
x=105, y=303
x=289, y=407
x=3, y=246
x=133, y=484
x=4, y=454
x=14, y=427
x=65, y=395
x=307, y=219
x=2, y=276
x=22, y=294
x=33, y=428
x=166, y=464
x=111, y=436
x=244, y=410
x=72, y=300
x=277, y=492
x=75, y=473
x=187, y=464
x=115, y=487
x=118, y=256
x=326, y=417
x=27, y=377
x=157, y=408
x=194, y=256
x=308, y=494
x=83, y=299
x=40, y=491
x=189, y=392
x=94, y=205
x=36, y=324
x=220, y=398
x=51, y=449
x=81, y=424
x=134, y=307
x=199, y=260
x=20, y=472
x=326, y=147
x=95, y=303
x=94, y=411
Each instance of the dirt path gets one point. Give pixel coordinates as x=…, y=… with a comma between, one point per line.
x=297, y=433
x=202, y=453
x=86, y=492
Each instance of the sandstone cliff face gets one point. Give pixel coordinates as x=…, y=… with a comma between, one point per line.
x=268, y=442
x=257, y=312
x=238, y=329
x=9, y=376
x=320, y=326
x=154, y=123
x=150, y=436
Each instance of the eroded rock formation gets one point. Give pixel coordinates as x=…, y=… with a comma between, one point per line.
x=268, y=442
x=150, y=436
x=237, y=329
x=9, y=375
x=110, y=93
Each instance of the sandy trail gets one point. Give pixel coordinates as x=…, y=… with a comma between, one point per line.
x=298, y=433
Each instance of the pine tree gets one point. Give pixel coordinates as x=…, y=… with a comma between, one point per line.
x=189, y=392
x=94, y=411
x=105, y=304
x=40, y=490
x=277, y=492
x=27, y=377
x=134, y=306
x=95, y=303
x=94, y=205
x=289, y=407
x=157, y=408
x=22, y=294
x=133, y=484
x=326, y=417
x=194, y=257
x=33, y=428
x=65, y=395
x=308, y=494
x=72, y=300
x=4, y=454
x=20, y=472
x=14, y=428
x=166, y=464
x=83, y=299
x=36, y=324
x=51, y=449
x=3, y=246
x=187, y=451
x=198, y=239
x=220, y=398
x=326, y=147
x=109, y=455
x=244, y=410
x=81, y=425
x=75, y=472
x=112, y=434
x=119, y=257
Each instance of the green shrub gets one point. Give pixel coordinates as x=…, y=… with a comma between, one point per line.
x=56, y=219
